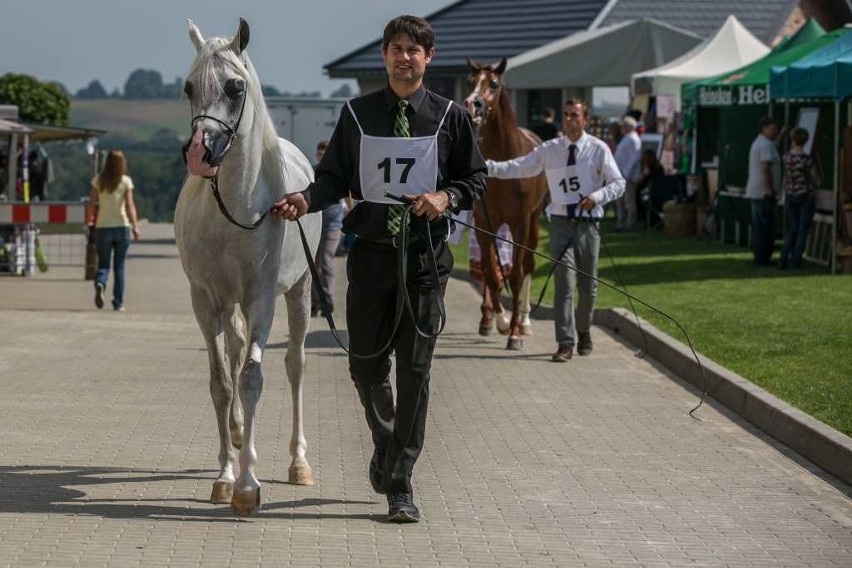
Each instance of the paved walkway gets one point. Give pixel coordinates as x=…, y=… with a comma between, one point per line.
x=109, y=451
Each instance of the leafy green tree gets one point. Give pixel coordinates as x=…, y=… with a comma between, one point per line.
x=143, y=84
x=37, y=101
x=95, y=90
x=345, y=91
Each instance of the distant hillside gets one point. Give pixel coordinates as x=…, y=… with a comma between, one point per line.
x=137, y=120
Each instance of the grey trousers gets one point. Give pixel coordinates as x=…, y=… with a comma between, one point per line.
x=329, y=239
x=625, y=208
x=583, y=242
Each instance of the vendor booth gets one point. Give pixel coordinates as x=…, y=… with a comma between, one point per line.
x=722, y=114
x=22, y=214
x=815, y=92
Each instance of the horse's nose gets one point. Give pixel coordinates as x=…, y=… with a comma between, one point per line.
x=477, y=104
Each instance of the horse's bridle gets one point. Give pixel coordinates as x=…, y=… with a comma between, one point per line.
x=214, y=180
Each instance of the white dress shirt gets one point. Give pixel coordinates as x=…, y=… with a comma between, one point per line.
x=554, y=154
x=628, y=154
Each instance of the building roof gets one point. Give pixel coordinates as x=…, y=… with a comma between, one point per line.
x=484, y=30
x=487, y=30
x=763, y=18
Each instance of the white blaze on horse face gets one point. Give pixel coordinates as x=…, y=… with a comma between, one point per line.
x=469, y=102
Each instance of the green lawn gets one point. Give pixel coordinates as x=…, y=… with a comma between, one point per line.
x=789, y=332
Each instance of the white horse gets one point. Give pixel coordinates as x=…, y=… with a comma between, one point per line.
x=235, y=273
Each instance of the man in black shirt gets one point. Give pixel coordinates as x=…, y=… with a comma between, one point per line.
x=409, y=141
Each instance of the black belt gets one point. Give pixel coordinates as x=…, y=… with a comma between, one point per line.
x=394, y=241
x=581, y=219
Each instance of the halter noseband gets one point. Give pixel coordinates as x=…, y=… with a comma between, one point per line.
x=231, y=131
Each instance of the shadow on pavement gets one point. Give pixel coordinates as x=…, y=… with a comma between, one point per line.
x=49, y=489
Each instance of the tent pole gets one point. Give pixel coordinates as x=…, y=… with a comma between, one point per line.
x=12, y=169
x=836, y=185
x=25, y=169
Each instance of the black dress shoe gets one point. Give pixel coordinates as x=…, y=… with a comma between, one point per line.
x=401, y=508
x=376, y=471
x=563, y=354
x=584, y=342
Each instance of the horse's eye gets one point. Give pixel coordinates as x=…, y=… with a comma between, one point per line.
x=235, y=87
x=187, y=88
x=493, y=83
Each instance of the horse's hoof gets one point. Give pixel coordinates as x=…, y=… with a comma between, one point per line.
x=246, y=502
x=300, y=475
x=515, y=343
x=503, y=331
x=237, y=439
x=526, y=329
x=222, y=492
x=484, y=330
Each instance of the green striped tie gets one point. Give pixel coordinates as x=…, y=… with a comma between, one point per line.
x=400, y=130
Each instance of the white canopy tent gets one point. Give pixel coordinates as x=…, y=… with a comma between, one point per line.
x=604, y=57
x=731, y=47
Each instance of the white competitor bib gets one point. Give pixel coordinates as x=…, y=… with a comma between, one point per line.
x=569, y=184
x=397, y=165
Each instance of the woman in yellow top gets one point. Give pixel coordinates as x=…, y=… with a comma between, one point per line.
x=112, y=197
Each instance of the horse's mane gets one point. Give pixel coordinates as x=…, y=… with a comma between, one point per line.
x=204, y=64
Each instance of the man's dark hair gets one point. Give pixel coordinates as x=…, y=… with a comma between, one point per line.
x=581, y=102
x=322, y=145
x=414, y=27
x=549, y=113
x=764, y=122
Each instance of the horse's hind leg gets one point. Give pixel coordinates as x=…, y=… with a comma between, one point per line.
x=298, y=302
x=526, y=324
x=221, y=390
x=258, y=314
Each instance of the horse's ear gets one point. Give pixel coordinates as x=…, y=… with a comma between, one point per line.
x=195, y=35
x=241, y=40
x=472, y=64
x=500, y=67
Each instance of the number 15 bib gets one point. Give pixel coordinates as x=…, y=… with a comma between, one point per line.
x=569, y=184
x=397, y=165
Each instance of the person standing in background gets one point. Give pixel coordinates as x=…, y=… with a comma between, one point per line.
x=628, y=155
x=332, y=222
x=764, y=180
x=547, y=129
x=115, y=220
x=801, y=177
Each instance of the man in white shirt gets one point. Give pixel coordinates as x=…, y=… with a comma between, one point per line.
x=582, y=177
x=628, y=154
x=762, y=187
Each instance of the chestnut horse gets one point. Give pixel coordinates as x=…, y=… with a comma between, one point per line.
x=515, y=202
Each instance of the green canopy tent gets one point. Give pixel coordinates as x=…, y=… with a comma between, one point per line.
x=814, y=86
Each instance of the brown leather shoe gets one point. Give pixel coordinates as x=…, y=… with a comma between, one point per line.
x=563, y=353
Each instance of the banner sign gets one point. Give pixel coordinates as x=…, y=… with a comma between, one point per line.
x=733, y=96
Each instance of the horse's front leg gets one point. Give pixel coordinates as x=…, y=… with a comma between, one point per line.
x=209, y=318
x=515, y=342
x=526, y=323
x=298, y=303
x=259, y=312
x=486, y=322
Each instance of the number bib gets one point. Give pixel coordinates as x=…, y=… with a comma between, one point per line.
x=569, y=184
x=397, y=165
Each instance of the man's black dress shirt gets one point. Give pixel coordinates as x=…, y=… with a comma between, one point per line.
x=461, y=168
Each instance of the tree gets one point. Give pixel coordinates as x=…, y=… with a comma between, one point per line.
x=269, y=91
x=143, y=84
x=344, y=92
x=94, y=91
x=36, y=101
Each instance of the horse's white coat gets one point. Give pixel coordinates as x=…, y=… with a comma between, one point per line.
x=235, y=274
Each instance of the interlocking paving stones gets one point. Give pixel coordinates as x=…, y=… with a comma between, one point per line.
x=109, y=450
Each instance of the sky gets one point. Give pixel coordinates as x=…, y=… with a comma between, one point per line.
x=76, y=41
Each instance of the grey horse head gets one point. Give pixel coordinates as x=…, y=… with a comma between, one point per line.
x=218, y=88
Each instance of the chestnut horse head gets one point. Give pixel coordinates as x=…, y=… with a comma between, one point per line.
x=486, y=84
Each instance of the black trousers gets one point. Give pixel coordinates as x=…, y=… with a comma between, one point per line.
x=371, y=302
